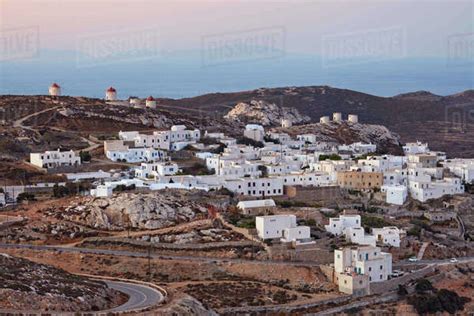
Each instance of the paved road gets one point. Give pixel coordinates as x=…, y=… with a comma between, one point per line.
x=439, y=262
x=140, y=296
x=127, y=253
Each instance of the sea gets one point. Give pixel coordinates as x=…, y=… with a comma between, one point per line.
x=188, y=74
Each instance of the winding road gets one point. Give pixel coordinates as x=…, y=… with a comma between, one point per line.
x=140, y=296
x=142, y=254
x=143, y=296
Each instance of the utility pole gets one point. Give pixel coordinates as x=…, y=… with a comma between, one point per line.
x=149, y=262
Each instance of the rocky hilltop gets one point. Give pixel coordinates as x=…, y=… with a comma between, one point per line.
x=25, y=285
x=265, y=113
x=141, y=211
x=446, y=122
x=347, y=133
x=119, y=114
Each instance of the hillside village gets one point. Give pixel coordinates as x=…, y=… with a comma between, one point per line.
x=363, y=219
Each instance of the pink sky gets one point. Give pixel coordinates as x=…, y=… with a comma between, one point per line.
x=183, y=23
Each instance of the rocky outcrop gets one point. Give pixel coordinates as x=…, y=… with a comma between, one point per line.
x=25, y=285
x=348, y=133
x=137, y=210
x=186, y=305
x=121, y=114
x=264, y=113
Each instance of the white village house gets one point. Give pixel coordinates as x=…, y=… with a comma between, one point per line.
x=118, y=150
x=256, y=206
x=388, y=235
x=156, y=169
x=54, y=159
x=356, y=267
x=337, y=225
x=255, y=132
x=395, y=194
x=281, y=227
x=350, y=226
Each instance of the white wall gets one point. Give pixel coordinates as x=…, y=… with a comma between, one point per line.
x=271, y=227
x=338, y=224
x=51, y=159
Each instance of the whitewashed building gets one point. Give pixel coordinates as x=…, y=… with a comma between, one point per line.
x=307, y=138
x=462, y=168
x=2, y=199
x=388, y=235
x=255, y=132
x=427, y=189
x=381, y=163
x=255, y=206
x=395, y=194
x=117, y=150
x=332, y=167
x=175, y=139
x=261, y=187
x=281, y=227
x=280, y=137
x=358, y=148
x=307, y=179
x=283, y=168
x=55, y=159
x=337, y=225
x=416, y=148
x=102, y=191
x=357, y=235
x=156, y=169
x=362, y=260
x=395, y=177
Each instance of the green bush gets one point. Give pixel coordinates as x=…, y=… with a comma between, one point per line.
x=268, y=139
x=451, y=301
x=425, y=303
x=369, y=222
x=423, y=285
x=311, y=222
x=402, y=290
x=287, y=203
x=437, y=301
x=85, y=156
x=123, y=187
x=60, y=191
x=25, y=196
x=248, y=223
x=330, y=157
x=250, y=142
